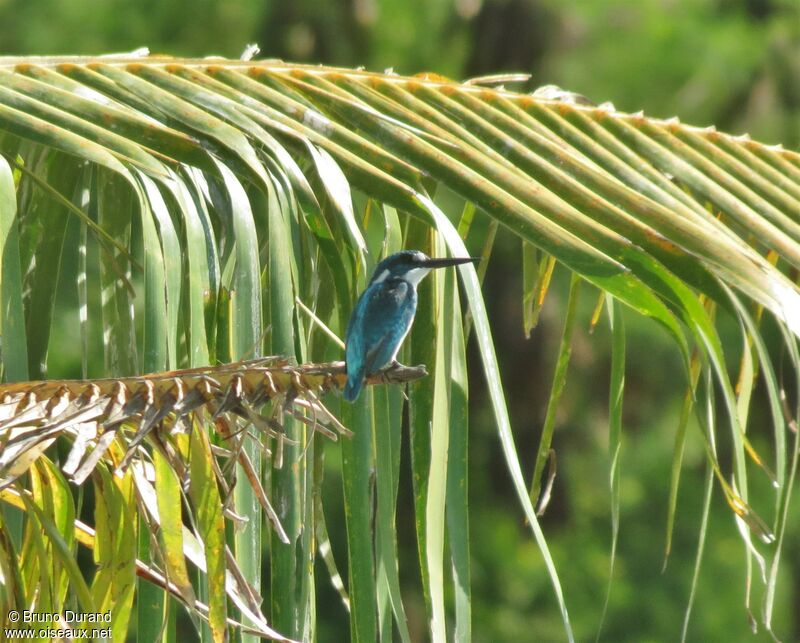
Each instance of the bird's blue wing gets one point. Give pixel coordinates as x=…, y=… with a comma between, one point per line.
x=389, y=313
x=380, y=321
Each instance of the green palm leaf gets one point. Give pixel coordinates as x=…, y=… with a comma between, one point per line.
x=212, y=195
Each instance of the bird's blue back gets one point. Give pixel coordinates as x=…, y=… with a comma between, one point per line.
x=378, y=325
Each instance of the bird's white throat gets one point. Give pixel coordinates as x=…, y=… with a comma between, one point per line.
x=415, y=275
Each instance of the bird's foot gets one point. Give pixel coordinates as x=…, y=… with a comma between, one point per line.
x=391, y=371
x=388, y=370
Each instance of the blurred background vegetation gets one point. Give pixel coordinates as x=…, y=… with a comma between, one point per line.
x=731, y=63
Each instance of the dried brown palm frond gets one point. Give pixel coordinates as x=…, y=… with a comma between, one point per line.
x=127, y=425
x=118, y=425
x=130, y=411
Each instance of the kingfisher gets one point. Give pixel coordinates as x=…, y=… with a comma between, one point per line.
x=384, y=313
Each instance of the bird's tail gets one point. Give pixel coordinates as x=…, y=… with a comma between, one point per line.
x=353, y=387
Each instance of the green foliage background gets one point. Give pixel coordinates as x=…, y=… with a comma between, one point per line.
x=734, y=63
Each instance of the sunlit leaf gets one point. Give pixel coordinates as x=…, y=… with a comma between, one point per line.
x=188, y=213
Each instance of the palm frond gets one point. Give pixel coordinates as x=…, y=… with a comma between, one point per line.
x=186, y=205
x=126, y=412
x=139, y=424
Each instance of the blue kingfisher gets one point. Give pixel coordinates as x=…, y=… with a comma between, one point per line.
x=383, y=315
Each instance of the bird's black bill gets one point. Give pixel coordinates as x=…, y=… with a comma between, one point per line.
x=447, y=261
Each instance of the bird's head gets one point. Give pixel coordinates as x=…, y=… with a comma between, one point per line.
x=412, y=266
